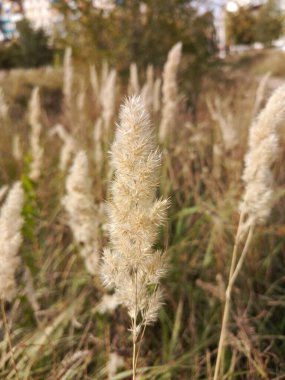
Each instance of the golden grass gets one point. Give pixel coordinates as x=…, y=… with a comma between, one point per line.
x=67, y=337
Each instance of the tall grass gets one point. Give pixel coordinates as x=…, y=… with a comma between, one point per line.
x=61, y=323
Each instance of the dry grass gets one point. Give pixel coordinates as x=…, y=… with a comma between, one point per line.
x=66, y=336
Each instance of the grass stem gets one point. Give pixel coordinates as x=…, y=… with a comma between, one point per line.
x=236, y=265
x=9, y=339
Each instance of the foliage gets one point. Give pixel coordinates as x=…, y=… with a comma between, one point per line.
x=240, y=27
x=269, y=23
x=248, y=25
x=133, y=32
x=66, y=338
x=31, y=49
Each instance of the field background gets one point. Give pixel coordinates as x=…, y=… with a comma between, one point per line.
x=55, y=327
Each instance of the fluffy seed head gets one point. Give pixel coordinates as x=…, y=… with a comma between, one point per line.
x=3, y=105
x=94, y=82
x=37, y=151
x=82, y=212
x=134, y=215
x=134, y=86
x=11, y=223
x=169, y=91
x=67, y=77
x=263, y=152
x=108, y=99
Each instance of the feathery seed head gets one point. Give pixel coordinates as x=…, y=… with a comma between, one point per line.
x=11, y=223
x=170, y=91
x=4, y=109
x=263, y=151
x=35, y=111
x=134, y=216
x=108, y=99
x=134, y=86
x=94, y=81
x=67, y=76
x=83, y=213
x=37, y=151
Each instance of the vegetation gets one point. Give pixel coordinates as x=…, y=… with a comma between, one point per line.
x=133, y=32
x=141, y=238
x=31, y=49
x=264, y=25
x=61, y=323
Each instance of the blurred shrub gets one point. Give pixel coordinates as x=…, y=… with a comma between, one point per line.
x=31, y=49
x=142, y=32
x=269, y=23
x=249, y=25
x=240, y=27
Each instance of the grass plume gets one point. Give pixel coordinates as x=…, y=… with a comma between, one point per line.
x=132, y=266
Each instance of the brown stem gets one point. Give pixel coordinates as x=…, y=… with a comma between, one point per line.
x=234, y=270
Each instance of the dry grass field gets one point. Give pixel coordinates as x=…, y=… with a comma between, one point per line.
x=58, y=321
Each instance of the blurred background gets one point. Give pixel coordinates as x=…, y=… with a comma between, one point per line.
x=35, y=33
x=232, y=60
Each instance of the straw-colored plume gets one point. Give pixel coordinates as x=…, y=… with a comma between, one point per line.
x=217, y=161
x=261, y=93
x=37, y=151
x=11, y=223
x=3, y=105
x=257, y=199
x=16, y=147
x=157, y=95
x=94, y=82
x=225, y=122
x=104, y=73
x=108, y=100
x=114, y=363
x=107, y=304
x=134, y=86
x=35, y=111
x=147, y=90
x=132, y=266
x=67, y=78
x=83, y=214
x=98, y=149
x=69, y=147
x=169, y=92
x=263, y=151
x=80, y=98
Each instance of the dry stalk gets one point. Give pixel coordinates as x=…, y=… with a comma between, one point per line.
x=6, y=325
x=258, y=196
x=132, y=267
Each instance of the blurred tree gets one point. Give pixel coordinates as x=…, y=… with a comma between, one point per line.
x=247, y=25
x=31, y=49
x=240, y=27
x=34, y=49
x=269, y=23
x=142, y=32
